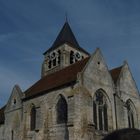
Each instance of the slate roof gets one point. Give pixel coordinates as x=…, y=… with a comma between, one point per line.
x=66, y=36
x=55, y=80
x=2, y=116
x=115, y=73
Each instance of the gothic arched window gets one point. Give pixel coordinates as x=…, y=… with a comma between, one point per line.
x=130, y=114
x=33, y=118
x=100, y=111
x=62, y=113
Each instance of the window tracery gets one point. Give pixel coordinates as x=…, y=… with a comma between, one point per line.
x=130, y=114
x=100, y=111
x=54, y=59
x=75, y=56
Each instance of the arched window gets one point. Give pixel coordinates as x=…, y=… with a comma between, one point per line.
x=61, y=108
x=33, y=118
x=71, y=57
x=100, y=111
x=130, y=114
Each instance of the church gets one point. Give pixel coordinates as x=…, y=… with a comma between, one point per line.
x=76, y=98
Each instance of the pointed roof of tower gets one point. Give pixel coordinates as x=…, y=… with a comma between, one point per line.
x=66, y=36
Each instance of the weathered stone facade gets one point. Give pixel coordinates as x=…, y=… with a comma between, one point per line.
x=85, y=102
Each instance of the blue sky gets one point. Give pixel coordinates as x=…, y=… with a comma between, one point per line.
x=29, y=27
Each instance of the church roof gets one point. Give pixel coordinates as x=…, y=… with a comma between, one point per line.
x=115, y=73
x=55, y=80
x=2, y=116
x=66, y=36
x=64, y=77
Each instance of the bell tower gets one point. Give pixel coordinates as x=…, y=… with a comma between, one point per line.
x=64, y=52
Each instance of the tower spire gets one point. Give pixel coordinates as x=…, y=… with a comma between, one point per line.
x=65, y=36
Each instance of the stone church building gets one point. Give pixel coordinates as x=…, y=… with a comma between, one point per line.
x=76, y=98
